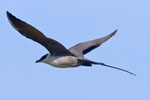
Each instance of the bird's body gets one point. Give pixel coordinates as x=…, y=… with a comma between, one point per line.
x=61, y=61
x=58, y=55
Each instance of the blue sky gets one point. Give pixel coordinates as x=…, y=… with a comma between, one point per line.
x=71, y=22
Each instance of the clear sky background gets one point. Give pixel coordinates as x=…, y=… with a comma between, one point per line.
x=71, y=22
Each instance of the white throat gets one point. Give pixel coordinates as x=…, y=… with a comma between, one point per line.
x=47, y=59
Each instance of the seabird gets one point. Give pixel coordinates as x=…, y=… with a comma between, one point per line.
x=58, y=55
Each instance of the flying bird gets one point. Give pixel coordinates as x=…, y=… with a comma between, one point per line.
x=58, y=55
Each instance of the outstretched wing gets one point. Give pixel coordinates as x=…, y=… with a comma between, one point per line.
x=30, y=32
x=85, y=47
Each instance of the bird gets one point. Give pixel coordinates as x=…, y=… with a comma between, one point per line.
x=59, y=56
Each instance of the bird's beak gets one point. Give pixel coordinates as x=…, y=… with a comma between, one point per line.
x=37, y=61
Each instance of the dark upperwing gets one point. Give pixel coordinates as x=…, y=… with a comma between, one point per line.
x=30, y=32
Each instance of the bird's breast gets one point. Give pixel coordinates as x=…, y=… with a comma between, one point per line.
x=64, y=62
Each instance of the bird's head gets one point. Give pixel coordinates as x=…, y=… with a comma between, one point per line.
x=44, y=58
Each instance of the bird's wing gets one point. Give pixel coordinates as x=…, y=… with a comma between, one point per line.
x=85, y=47
x=30, y=32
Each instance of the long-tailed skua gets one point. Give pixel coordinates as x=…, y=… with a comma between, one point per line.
x=58, y=55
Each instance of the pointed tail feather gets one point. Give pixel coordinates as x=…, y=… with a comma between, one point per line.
x=117, y=68
x=86, y=61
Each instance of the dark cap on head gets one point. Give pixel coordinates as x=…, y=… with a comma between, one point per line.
x=42, y=58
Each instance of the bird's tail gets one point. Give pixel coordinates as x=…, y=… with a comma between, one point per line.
x=86, y=62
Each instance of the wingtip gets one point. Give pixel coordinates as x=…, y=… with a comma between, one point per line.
x=13, y=20
x=115, y=31
x=9, y=15
x=7, y=12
